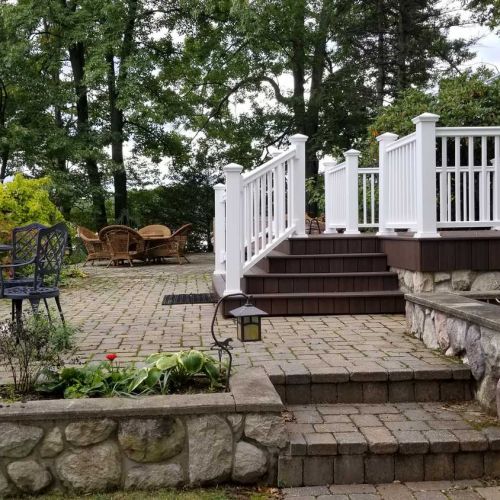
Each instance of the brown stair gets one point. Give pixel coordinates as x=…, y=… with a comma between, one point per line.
x=325, y=274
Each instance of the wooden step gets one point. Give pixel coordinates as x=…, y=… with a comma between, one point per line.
x=404, y=442
x=301, y=304
x=325, y=244
x=260, y=282
x=327, y=263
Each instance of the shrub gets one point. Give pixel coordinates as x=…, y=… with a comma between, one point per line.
x=32, y=347
x=162, y=373
x=24, y=201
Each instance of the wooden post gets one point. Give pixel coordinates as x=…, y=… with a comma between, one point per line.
x=298, y=185
x=234, y=214
x=383, y=141
x=351, y=176
x=220, y=229
x=425, y=175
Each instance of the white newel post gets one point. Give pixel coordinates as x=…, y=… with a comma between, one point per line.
x=425, y=175
x=329, y=163
x=298, y=184
x=220, y=229
x=383, y=141
x=352, y=161
x=496, y=184
x=234, y=210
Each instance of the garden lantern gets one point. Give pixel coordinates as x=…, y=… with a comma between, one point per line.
x=249, y=325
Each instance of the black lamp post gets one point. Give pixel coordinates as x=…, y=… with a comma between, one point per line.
x=248, y=318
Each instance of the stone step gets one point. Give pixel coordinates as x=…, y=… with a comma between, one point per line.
x=372, y=383
x=262, y=282
x=365, y=443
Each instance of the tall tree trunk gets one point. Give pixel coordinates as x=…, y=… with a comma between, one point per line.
x=380, y=61
x=65, y=200
x=116, y=126
x=4, y=155
x=77, y=60
x=402, y=47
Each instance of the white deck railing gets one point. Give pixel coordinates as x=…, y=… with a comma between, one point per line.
x=436, y=177
x=257, y=210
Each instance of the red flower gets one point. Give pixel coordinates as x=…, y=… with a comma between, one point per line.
x=110, y=356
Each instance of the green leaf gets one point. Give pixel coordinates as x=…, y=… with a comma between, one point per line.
x=167, y=362
x=193, y=361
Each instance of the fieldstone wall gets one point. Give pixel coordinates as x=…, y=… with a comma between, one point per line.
x=462, y=327
x=133, y=444
x=456, y=281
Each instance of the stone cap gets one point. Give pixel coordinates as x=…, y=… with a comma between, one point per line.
x=251, y=391
x=462, y=306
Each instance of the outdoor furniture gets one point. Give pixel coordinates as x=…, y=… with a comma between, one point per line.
x=155, y=231
x=47, y=263
x=96, y=248
x=124, y=243
x=175, y=246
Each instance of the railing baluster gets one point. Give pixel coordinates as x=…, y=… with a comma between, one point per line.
x=458, y=203
x=484, y=213
x=443, y=190
x=471, y=196
x=496, y=181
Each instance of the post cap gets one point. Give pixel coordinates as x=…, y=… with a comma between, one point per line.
x=425, y=117
x=233, y=167
x=219, y=187
x=298, y=138
x=352, y=152
x=387, y=137
x=328, y=162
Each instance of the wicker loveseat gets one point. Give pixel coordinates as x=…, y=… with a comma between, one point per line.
x=124, y=243
x=174, y=246
x=96, y=248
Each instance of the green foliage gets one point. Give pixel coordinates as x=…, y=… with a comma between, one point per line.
x=30, y=348
x=315, y=192
x=162, y=373
x=466, y=100
x=24, y=201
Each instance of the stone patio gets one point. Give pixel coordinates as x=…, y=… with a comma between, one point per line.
x=119, y=310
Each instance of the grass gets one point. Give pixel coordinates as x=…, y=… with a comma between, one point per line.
x=229, y=493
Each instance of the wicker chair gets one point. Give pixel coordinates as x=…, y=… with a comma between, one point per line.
x=156, y=230
x=125, y=244
x=175, y=246
x=96, y=249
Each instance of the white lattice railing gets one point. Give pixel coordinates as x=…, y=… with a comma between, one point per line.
x=257, y=210
x=445, y=177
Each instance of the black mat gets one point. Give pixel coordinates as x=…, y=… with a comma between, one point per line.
x=189, y=298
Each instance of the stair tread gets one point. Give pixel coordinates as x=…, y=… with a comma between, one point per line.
x=259, y=273
x=322, y=295
x=281, y=255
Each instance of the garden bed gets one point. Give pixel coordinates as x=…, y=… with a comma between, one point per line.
x=102, y=444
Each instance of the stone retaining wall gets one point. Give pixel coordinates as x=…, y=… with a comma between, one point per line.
x=461, y=326
x=95, y=445
x=457, y=281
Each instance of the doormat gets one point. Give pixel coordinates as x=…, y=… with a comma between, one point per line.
x=189, y=298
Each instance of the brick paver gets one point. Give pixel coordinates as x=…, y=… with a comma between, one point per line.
x=437, y=490
x=119, y=310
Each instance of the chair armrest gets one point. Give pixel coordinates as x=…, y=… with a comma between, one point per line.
x=19, y=264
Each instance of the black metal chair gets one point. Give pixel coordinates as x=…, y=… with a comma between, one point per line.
x=47, y=263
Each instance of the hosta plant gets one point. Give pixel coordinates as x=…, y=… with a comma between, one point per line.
x=162, y=373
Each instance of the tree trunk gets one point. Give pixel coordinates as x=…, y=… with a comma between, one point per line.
x=116, y=127
x=380, y=61
x=402, y=47
x=77, y=59
x=3, y=166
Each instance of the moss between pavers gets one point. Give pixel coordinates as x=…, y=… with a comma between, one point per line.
x=196, y=494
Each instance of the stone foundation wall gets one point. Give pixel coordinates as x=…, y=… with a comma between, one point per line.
x=153, y=442
x=463, y=327
x=457, y=281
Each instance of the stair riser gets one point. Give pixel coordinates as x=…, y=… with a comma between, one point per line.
x=369, y=468
x=277, y=306
x=314, y=246
x=328, y=264
x=321, y=285
x=406, y=391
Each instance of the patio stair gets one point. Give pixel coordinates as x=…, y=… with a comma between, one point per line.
x=324, y=274
x=349, y=426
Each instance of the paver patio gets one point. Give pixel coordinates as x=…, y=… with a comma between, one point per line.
x=119, y=310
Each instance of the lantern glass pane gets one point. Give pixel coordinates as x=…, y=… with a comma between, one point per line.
x=252, y=329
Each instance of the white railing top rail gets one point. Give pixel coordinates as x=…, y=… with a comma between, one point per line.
x=270, y=164
x=467, y=131
x=368, y=170
x=335, y=167
x=401, y=142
